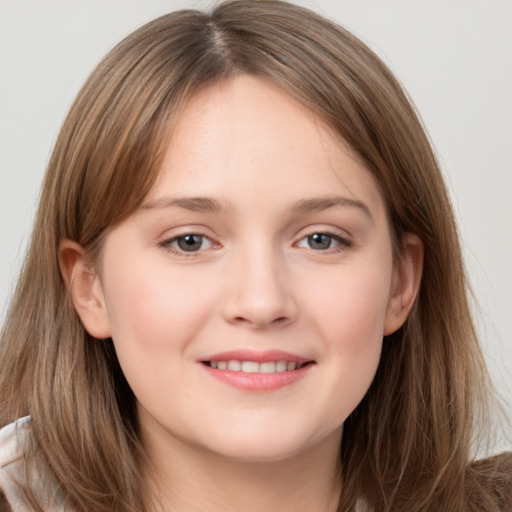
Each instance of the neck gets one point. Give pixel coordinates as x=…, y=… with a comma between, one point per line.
x=192, y=480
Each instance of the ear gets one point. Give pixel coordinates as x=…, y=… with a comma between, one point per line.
x=405, y=282
x=85, y=289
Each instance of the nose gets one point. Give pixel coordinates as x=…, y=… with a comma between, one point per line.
x=259, y=293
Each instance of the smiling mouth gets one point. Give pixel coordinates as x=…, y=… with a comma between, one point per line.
x=255, y=367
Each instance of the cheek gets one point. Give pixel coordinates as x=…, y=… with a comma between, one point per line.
x=155, y=316
x=150, y=308
x=351, y=309
x=353, y=328
x=349, y=315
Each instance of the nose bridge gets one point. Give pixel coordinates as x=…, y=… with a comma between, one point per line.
x=259, y=293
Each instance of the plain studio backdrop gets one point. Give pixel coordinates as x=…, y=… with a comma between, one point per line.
x=453, y=56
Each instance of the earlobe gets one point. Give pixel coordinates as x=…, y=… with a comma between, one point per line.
x=85, y=289
x=405, y=283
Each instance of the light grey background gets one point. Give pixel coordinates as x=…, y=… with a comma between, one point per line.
x=453, y=56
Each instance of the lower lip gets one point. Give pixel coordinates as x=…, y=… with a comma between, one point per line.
x=259, y=381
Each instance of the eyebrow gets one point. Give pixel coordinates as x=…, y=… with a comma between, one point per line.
x=210, y=205
x=194, y=204
x=324, y=203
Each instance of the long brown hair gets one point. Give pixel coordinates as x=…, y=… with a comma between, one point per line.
x=407, y=446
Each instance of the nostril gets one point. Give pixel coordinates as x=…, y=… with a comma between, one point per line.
x=258, y=322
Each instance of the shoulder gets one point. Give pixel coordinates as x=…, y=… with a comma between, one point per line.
x=494, y=474
x=15, y=443
x=12, y=439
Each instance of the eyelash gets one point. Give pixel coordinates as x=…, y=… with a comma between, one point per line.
x=342, y=244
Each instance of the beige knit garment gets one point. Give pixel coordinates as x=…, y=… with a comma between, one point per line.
x=14, y=439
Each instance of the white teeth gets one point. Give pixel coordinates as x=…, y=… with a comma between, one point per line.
x=234, y=366
x=269, y=367
x=250, y=367
x=281, y=366
x=254, y=367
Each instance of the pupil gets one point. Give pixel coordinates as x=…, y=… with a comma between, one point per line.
x=319, y=241
x=190, y=242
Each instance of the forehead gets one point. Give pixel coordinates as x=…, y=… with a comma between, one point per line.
x=243, y=138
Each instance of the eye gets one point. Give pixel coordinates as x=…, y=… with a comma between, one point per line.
x=322, y=241
x=190, y=242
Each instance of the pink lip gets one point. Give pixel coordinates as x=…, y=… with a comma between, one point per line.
x=258, y=381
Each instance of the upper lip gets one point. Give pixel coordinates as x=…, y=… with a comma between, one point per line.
x=257, y=356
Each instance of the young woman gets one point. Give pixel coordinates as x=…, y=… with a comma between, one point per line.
x=244, y=289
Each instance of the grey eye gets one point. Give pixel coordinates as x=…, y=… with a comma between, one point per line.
x=323, y=241
x=319, y=241
x=191, y=243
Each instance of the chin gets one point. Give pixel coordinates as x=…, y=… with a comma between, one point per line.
x=262, y=447
x=258, y=454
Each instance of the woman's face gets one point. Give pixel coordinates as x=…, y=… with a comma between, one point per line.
x=248, y=297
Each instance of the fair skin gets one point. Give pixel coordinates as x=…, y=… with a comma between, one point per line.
x=263, y=240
